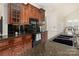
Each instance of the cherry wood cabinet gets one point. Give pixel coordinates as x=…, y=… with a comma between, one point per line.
x=6, y=52
x=20, y=13
x=16, y=46
x=9, y=14
x=3, y=43
x=44, y=37
x=27, y=43
x=24, y=14
x=42, y=14
x=34, y=12
x=4, y=48
x=14, y=11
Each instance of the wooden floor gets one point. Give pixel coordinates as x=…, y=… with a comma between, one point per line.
x=53, y=49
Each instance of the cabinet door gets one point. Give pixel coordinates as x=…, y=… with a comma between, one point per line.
x=36, y=13
x=44, y=37
x=17, y=39
x=23, y=13
x=14, y=13
x=42, y=14
x=6, y=52
x=39, y=16
x=18, y=49
x=4, y=43
x=27, y=43
x=32, y=10
x=9, y=14
x=27, y=15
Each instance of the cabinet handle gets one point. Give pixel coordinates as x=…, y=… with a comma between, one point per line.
x=9, y=48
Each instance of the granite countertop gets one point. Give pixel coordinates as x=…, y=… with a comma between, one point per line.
x=12, y=36
x=44, y=31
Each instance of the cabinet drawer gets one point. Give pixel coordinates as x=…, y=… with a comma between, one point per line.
x=18, y=43
x=28, y=40
x=18, y=50
x=3, y=43
x=6, y=52
x=44, y=37
x=17, y=39
x=27, y=47
x=28, y=36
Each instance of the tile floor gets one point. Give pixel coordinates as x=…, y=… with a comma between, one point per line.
x=53, y=49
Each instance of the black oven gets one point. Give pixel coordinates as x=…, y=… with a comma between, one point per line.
x=34, y=29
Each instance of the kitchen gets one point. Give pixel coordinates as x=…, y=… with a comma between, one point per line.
x=36, y=29
x=21, y=29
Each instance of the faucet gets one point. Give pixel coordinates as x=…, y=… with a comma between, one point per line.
x=67, y=29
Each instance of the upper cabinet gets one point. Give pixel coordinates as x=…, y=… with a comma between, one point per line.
x=42, y=14
x=20, y=13
x=36, y=13
x=24, y=16
x=32, y=11
x=14, y=11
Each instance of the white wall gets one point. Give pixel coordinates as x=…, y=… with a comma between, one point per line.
x=4, y=14
x=0, y=9
x=56, y=16
x=54, y=23
x=5, y=20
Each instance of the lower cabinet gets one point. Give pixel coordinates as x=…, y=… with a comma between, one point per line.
x=16, y=46
x=27, y=41
x=6, y=52
x=18, y=50
x=44, y=37
x=27, y=48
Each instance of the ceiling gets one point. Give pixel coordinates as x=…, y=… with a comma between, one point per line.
x=64, y=8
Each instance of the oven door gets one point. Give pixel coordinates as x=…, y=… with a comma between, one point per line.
x=36, y=39
x=38, y=36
